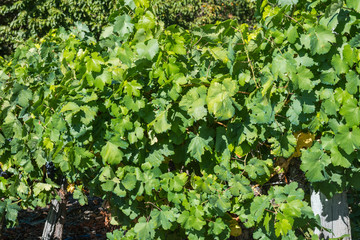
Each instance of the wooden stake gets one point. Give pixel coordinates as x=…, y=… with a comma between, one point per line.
x=334, y=215
x=55, y=220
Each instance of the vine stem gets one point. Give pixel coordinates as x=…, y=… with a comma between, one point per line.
x=295, y=21
x=270, y=211
x=248, y=57
x=153, y=205
x=247, y=93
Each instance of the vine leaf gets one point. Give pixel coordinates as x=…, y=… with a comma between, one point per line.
x=219, y=99
x=337, y=159
x=122, y=25
x=348, y=140
x=287, y=2
x=314, y=161
x=148, y=50
x=194, y=102
x=190, y=221
x=93, y=63
x=355, y=4
x=351, y=112
x=319, y=40
x=339, y=64
x=165, y=217
x=355, y=41
x=129, y=181
x=111, y=153
x=198, y=145
x=144, y=230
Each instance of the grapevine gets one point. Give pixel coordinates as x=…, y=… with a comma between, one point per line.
x=182, y=131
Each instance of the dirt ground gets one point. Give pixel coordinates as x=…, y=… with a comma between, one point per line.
x=82, y=222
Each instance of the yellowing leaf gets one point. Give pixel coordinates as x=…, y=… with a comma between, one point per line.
x=140, y=198
x=235, y=228
x=304, y=140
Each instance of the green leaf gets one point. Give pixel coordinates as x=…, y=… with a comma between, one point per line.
x=287, y=2
x=2, y=140
x=80, y=196
x=329, y=77
x=194, y=102
x=351, y=112
x=144, y=230
x=123, y=26
x=222, y=203
x=217, y=227
x=302, y=79
x=314, y=162
x=93, y=63
x=282, y=225
x=258, y=170
x=163, y=218
x=285, y=147
x=294, y=111
x=107, y=32
x=258, y=206
x=40, y=187
x=355, y=41
x=129, y=181
x=283, y=65
x=348, y=140
x=191, y=221
x=101, y=80
x=111, y=153
x=292, y=33
x=305, y=60
x=3, y=75
x=148, y=50
x=179, y=182
x=337, y=159
x=240, y=186
x=355, y=4
x=339, y=65
x=219, y=53
x=90, y=114
x=133, y=88
x=161, y=123
x=147, y=21
x=292, y=208
x=261, y=110
x=156, y=157
x=219, y=99
x=70, y=106
x=333, y=7
x=12, y=210
x=349, y=55
x=352, y=82
x=130, y=3
x=320, y=40
x=197, y=146
x=108, y=186
x=82, y=27
x=24, y=97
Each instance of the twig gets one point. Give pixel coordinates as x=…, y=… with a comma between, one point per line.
x=153, y=205
x=244, y=92
x=248, y=57
x=295, y=20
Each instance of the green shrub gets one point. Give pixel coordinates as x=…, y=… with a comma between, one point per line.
x=23, y=19
x=188, y=13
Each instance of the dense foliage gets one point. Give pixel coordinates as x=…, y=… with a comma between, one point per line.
x=190, y=13
x=188, y=133
x=23, y=19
